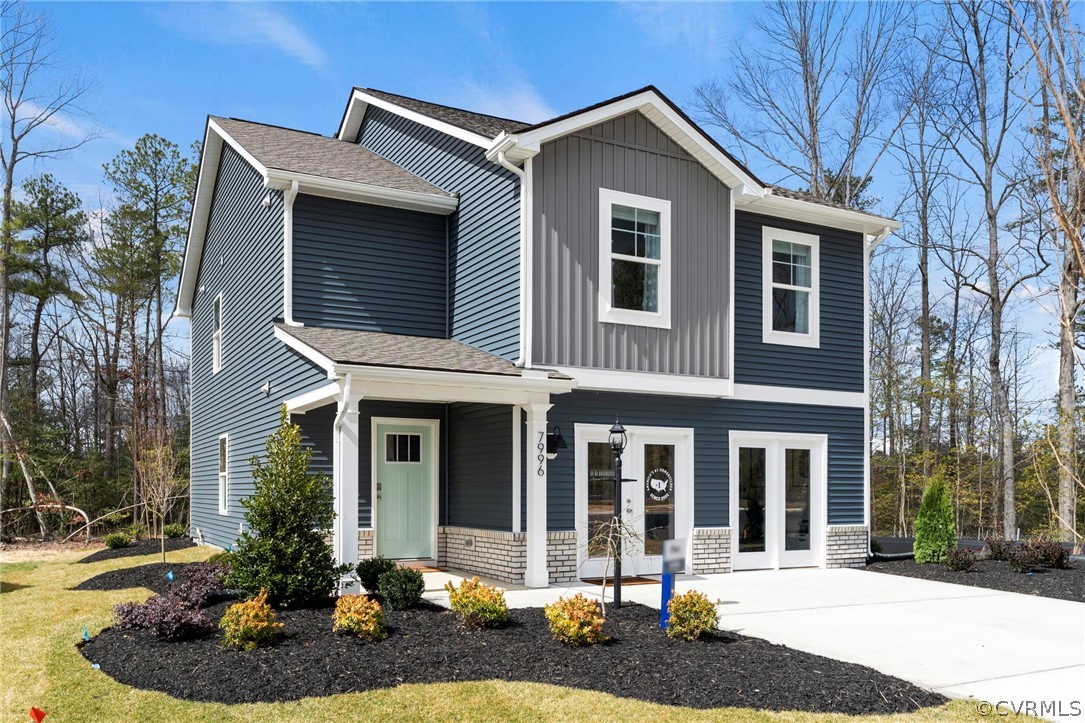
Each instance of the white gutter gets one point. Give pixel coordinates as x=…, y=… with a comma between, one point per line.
x=496, y=154
x=344, y=402
x=877, y=240
x=288, y=254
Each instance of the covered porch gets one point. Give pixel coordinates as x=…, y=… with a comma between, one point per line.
x=437, y=451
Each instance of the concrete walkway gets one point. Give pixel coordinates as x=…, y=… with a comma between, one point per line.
x=961, y=641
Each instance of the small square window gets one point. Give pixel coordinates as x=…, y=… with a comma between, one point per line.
x=403, y=448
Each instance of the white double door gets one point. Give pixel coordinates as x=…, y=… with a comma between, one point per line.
x=777, y=500
x=656, y=496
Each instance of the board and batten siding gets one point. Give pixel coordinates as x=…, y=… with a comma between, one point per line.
x=711, y=420
x=838, y=363
x=628, y=154
x=484, y=231
x=367, y=267
x=242, y=260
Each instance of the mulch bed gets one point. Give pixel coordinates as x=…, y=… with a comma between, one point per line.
x=995, y=575
x=152, y=577
x=428, y=645
x=139, y=547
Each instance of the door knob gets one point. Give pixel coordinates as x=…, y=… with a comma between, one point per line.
x=378, y=497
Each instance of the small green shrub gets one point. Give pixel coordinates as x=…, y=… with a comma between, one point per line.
x=999, y=549
x=960, y=560
x=114, y=520
x=174, y=530
x=478, y=605
x=135, y=530
x=250, y=624
x=401, y=588
x=369, y=571
x=1053, y=554
x=934, y=533
x=222, y=558
x=117, y=540
x=1025, y=559
x=692, y=615
x=576, y=620
x=361, y=616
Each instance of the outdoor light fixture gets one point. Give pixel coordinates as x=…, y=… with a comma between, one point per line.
x=554, y=442
x=618, y=440
x=266, y=389
x=617, y=437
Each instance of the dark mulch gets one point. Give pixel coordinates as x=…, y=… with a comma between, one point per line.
x=152, y=577
x=428, y=646
x=995, y=575
x=139, y=547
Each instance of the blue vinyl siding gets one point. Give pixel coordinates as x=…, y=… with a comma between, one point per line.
x=317, y=435
x=711, y=420
x=480, y=466
x=484, y=232
x=242, y=260
x=838, y=363
x=374, y=268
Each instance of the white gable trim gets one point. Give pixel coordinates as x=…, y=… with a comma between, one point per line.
x=360, y=101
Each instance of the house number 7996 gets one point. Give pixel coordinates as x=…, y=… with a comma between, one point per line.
x=541, y=446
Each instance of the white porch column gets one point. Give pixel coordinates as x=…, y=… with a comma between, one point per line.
x=537, y=574
x=345, y=484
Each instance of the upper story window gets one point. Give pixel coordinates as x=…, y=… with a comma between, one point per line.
x=216, y=337
x=224, y=475
x=790, y=288
x=634, y=259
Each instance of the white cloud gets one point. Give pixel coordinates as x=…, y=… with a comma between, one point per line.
x=693, y=26
x=245, y=24
x=518, y=100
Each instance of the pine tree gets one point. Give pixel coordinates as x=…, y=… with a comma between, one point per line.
x=934, y=532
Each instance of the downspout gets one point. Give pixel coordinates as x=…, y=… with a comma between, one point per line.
x=524, y=359
x=344, y=402
x=288, y=255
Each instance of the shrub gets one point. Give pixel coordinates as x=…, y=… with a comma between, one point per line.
x=1024, y=559
x=401, y=588
x=692, y=615
x=200, y=581
x=1052, y=554
x=225, y=559
x=250, y=624
x=576, y=620
x=960, y=560
x=135, y=530
x=999, y=549
x=478, y=605
x=284, y=553
x=165, y=617
x=174, y=530
x=114, y=520
x=361, y=616
x=934, y=534
x=369, y=571
x=116, y=540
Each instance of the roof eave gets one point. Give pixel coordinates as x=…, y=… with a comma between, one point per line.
x=818, y=214
x=360, y=101
x=314, y=185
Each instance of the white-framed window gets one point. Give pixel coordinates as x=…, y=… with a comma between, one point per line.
x=216, y=337
x=224, y=474
x=401, y=447
x=790, y=297
x=634, y=259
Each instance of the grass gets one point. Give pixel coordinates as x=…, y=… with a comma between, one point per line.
x=41, y=621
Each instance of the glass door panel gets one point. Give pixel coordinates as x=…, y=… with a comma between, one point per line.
x=659, y=494
x=752, y=476
x=600, y=496
x=797, y=499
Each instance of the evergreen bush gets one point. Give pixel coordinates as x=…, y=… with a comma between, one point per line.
x=1025, y=559
x=1053, y=554
x=175, y=529
x=401, y=588
x=369, y=572
x=999, y=549
x=116, y=540
x=960, y=560
x=692, y=615
x=283, y=552
x=934, y=533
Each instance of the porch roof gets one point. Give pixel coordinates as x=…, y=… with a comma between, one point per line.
x=350, y=347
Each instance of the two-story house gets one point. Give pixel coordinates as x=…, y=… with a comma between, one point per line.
x=457, y=307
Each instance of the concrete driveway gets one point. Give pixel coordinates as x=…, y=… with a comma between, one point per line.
x=1023, y=651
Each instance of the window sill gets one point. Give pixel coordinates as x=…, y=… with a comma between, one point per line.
x=629, y=317
x=785, y=338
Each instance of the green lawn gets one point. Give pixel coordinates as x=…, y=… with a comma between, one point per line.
x=41, y=621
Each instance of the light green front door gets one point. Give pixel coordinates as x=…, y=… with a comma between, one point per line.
x=405, y=485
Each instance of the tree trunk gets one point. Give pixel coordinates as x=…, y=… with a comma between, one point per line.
x=1067, y=423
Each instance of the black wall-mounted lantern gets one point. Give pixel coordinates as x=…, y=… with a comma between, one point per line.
x=618, y=440
x=554, y=442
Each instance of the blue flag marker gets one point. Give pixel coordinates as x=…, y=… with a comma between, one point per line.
x=86, y=635
x=169, y=575
x=229, y=548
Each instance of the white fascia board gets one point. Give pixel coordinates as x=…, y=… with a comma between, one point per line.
x=362, y=192
x=683, y=132
x=307, y=351
x=351, y=124
x=816, y=213
x=318, y=397
x=799, y=395
x=361, y=100
x=501, y=382
x=249, y=158
x=607, y=380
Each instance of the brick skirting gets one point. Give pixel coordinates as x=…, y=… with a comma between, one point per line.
x=846, y=545
x=711, y=550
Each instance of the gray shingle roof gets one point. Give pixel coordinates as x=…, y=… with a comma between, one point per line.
x=811, y=198
x=370, y=348
x=300, y=152
x=485, y=125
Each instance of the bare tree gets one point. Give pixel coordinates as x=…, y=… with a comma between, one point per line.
x=814, y=101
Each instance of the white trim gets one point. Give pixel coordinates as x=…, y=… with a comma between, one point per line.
x=362, y=192
x=223, y=476
x=731, y=256
x=313, y=399
x=647, y=382
x=352, y=119
x=774, y=444
x=536, y=570
x=517, y=458
x=527, y=265
x=796, y=209
x=346, y=436
x=660, y=319
x=799, y=395
x=306, y=351
x=466, y=380
x=289, y=195
x=812, y=338
x=867, y=252
x=435, y=476
x=218, y=331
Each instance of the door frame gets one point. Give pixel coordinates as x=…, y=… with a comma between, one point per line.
x=684, y=505
x=434, y=426
x=774, y=442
